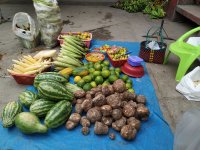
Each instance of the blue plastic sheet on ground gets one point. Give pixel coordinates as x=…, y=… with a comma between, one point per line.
x=155, y=134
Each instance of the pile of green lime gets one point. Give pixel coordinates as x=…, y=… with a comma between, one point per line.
x=102, y=74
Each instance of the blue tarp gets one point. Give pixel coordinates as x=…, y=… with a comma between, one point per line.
x=155, y=134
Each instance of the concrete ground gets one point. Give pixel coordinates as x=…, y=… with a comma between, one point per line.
x=106, y=23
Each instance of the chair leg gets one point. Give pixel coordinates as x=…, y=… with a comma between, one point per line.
x=183, y=66
x=167, y=57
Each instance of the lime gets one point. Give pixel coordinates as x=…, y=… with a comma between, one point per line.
x=92, y=76
x=101, y=61
x=112, y=72
x=105, y=83
x=118, y=70
x=81, y=83
x=102, y=65
x=129, y=81
x=105, y=68
x=112, y=69
x=77, y=79
x=99, y=80
x=96, y=73
x=85, y=64
x=91, y=63
x=124, y=78
x=97, y=66
x=106, y=63
x=90, y=66
x=128, y=85
x=91, y=70
x=112, y=78
x=105, y=73
x=131, y=90
x=87, y=78
x=117, y=74
x=87, y=87
x=93, y=84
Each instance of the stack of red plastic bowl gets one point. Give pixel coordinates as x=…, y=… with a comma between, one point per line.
x=133, y=67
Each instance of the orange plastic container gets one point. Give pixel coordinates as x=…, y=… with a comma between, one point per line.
x=24, y=79
x=117, y=63
x=87, y=42
x=102, y=57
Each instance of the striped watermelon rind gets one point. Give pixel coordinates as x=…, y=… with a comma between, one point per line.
x=9, y=113
x=26, y=98
x=58, y=114
x=49, y=76
x=54, y=91
x=41, y=107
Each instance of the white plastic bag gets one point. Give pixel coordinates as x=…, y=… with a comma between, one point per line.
x=189, y=85
x=187, y=131
x=25, y=29
x=49, y=19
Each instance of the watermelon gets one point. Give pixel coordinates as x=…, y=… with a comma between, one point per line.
x=54, y=91
x=27, y=98
x=50, y=76
x=58, y=114
x=40, y=107
x=9, y=113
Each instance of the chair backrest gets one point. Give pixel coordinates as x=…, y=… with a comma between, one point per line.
x=182, y=39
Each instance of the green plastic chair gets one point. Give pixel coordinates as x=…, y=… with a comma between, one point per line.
x=186, y=52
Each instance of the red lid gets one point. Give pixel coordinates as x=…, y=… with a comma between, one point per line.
x=135, y=72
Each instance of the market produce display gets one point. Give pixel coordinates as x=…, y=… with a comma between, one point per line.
x=101, y=94
x=103, y=48
x=82, y=35
x=99, y=73
x=109, y=106
x=52, y=102
x=94, y=57
x=72, y=50
x=118, y=53
x=29, y=65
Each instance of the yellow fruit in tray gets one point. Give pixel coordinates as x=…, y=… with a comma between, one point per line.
x=66, y=71
x=77, y=79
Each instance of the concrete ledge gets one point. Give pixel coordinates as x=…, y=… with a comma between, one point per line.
x=68, y=2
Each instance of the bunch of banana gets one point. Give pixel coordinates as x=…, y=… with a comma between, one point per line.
x=72, y=50
x=29, y=65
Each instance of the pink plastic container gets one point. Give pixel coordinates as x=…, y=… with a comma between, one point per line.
x=87, y=42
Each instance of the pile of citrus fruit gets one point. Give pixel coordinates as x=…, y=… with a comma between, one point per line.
x=100, y=73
